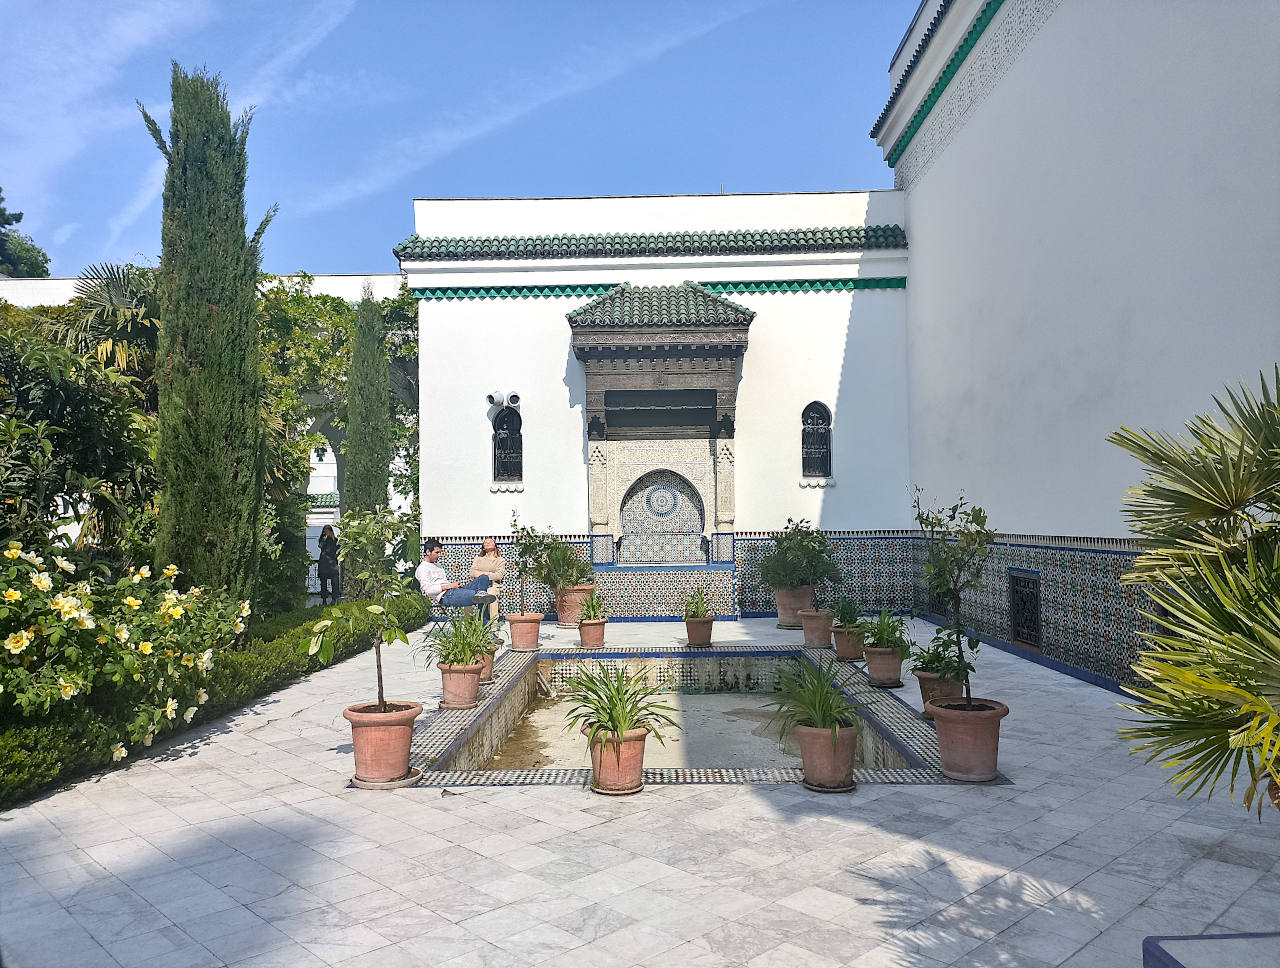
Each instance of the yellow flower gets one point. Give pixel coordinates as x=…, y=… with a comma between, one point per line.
x=175, y=611
x=68, y=689
x=238, y=625
x=102, y=640
x=171, y=708
x=12, y=554
x=202, y=697
x=31, y=557
x=12, y=595
x=118, y=752
x=190, y=711
x=144, y=571
x=170, y=571
x=68, y=606
x=244, y=609
x=85, y=621
x=18, y=641
x=146, y=740
x=122, y=634
x=15, y=545
x=188, y=659
x=64, y=565
x=41, y=581
x=144, y=648
x=205, y=660
x=132, y=602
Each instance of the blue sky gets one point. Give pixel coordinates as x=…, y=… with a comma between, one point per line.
x=361, y=106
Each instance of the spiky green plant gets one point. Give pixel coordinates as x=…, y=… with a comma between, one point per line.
x=461, y=641
x=846, y=613
x=1210, y=683
x=888, y=631
x=696, y=604
x=808, y=696
x=593, y=609
x=609, y=702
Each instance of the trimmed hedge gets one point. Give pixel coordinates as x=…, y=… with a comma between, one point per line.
x=40, y=751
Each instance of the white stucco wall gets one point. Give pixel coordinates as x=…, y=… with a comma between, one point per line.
x=59, y=290
x=1096, y=246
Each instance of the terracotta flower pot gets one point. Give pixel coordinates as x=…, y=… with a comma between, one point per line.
x=486, y=667
x=616, y=768
x=828, y=770
x=848, y=643
x=817, y=627
x=591, y=633
x=934, y=687
x=569, y=604
x=698, y=631
x=968, y=739
x=524, y=631
x=380, y=741
x=884, y=667
x=790, y=601
x=461, y=685
x=1273, y=790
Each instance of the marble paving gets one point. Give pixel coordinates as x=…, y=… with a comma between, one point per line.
x=240, y=844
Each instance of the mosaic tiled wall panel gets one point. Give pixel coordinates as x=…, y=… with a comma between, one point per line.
x=662, y=549
x=711, y=673
x=658, y=592
x=878, y=573
x=1088, y=619
x=457, y=558
x=661, y=502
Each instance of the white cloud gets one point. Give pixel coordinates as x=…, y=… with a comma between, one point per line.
x=586, y=69
x=64, y=232
x=259, y=90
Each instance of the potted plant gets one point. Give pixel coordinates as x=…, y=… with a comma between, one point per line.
x=698, y=619
x=825, y=723
x=528, y=552
x=817, y=627
x=957, y=542
x=591, y=622
x=941, y=667
x=847, y=632
x=571, y=578
x=801, y=558
x=887, y=645
x=381, y=731
x=616, y=711
x=458, y=648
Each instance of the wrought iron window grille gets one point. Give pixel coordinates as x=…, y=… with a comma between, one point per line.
x=815, y=441
x=1024, y=608
x=508, y=446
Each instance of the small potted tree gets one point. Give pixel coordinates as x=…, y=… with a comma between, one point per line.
x=941, y=667
x=616, y=711
x=847, y=631
x=459, y=649
x=698, y=619
x=381, y=731
x=591, y=622
x=570, y=578
x=957, y=542
x=816, y=623
x=528, y=554
x=825, y=723
x=802, y=557
x=887, y=645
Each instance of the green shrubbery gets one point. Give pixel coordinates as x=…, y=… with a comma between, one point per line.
x=75, y=739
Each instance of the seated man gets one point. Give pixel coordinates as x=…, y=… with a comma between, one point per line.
x=435, y=583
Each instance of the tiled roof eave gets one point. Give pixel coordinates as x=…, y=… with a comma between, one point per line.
x=925, y=40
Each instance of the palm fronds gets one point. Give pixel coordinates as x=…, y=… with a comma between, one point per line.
x=808, y=696
x=609, y=702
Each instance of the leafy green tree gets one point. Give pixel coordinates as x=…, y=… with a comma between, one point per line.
x=209, y=451
x=1209, y=509
x=20, y=257
x=368, y=444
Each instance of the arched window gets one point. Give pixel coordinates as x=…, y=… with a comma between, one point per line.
x=508, y=446
x=815, y=440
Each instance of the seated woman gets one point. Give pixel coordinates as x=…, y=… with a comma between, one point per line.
x=490, y=562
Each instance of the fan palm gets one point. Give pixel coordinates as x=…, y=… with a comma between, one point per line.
x=1209, y=509
x=119, y=319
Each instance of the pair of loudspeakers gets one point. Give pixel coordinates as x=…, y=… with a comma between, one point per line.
x=499, y=399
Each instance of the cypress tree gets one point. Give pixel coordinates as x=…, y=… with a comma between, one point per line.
x=368, y=443
x=209, y=447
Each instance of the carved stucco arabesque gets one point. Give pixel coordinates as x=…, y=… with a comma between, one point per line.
x=1000, y=45
x=614, y=465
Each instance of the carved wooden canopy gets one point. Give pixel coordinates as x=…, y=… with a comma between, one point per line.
x=660, y=361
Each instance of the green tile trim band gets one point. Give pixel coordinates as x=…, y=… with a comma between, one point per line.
x=597, y=289
x=953, y=65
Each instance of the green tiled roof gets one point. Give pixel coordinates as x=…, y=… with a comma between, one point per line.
x=617, y=245
x=329, y=500
x=687, y=304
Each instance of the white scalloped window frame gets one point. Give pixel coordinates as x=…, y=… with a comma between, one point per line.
x=506, y=487
x=817, y=482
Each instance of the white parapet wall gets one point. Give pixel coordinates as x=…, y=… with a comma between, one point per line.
x=57, y=291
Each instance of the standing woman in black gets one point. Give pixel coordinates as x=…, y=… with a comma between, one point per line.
x=327, y=567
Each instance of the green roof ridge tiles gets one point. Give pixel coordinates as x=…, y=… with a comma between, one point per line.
x=324, y=500
x=597, y=289
x=619, y=245
x=687, y=304
x=925, y=40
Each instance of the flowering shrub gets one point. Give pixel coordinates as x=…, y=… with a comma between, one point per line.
x=139, y=638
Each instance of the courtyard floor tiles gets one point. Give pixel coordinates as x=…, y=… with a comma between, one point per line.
x=241, y=844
